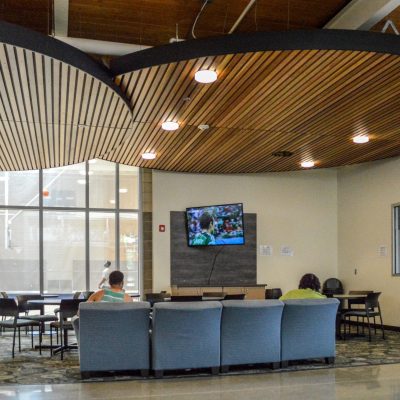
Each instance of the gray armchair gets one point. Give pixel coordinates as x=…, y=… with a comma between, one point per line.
x=114, y=337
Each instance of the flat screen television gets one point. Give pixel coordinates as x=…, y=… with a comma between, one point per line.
x=215, y=225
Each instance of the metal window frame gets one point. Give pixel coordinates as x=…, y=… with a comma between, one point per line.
x=87, y=210
x=395, y=240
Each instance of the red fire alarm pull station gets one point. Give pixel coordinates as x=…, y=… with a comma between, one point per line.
x=161, y=228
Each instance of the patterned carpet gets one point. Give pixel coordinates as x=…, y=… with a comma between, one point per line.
x=28, y=367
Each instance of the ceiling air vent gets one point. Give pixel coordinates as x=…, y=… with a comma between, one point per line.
x=282, y=153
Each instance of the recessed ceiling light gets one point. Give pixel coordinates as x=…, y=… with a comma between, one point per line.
x=307, y=164
x=148, y=156
x=112, y=201
x=81, y=181
x=361, y=139
x=123, y=190
x=170, y=125
x=205, y=76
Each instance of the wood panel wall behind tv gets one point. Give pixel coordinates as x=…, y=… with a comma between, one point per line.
x=192, y=266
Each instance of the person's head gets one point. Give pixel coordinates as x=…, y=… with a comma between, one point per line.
x=107, y=264
x=116, y=278
x=206, y=221
x=310, y=281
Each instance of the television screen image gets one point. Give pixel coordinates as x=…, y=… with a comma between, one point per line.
x=215, y=225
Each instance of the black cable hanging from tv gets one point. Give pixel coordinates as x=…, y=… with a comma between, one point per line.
x=213, y=264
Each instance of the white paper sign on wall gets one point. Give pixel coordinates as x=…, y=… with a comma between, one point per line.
x=287, y=251
x=382, y=250
x=266, y=250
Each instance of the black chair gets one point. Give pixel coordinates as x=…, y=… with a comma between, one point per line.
x=41, y=319
x=76, y=295
x=68, y=309
x=371, y=309
x=86, y=294
x=3, y=295
x=273, y=293
x=155, y=298
x=239, y=296
x=9, y=308
x=25, y=307
x=332, y=286
x=186, y=298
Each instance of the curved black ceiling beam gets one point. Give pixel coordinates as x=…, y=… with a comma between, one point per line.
x=326, y=39
x=16, y=35
x=57, y=105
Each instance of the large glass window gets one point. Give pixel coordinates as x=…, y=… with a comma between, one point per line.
x=64, y=251
x=128, y=187
x=129, y=250
x=19, y=188
x=19, y=250
x=59, y=226
x=102, y=184
x=64, y=186
x=102, y=245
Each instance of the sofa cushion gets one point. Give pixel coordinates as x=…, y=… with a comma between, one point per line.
x=251, y=331
x=114, y=336
x=186, y=335
x=308, y=328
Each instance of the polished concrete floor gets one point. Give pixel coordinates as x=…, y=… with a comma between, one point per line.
x=372, y=382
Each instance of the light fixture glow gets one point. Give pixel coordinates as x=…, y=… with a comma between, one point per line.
x=361, y=139
x=93, y=161
x=148, y=156
x=83, y=172
x=123, y=190
x=81, y=181
x=205, y=76
x=307, y=164
x=112, y=201
x=170, y=125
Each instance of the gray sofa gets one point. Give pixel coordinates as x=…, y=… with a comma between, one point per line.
x=308, y=329
x=250, y=332
x=186, y=335
x=114, y=337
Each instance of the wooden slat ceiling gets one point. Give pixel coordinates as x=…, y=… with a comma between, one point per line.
x=309, y=102
x=52, y=113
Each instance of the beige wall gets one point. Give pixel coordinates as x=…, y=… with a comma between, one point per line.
x=297, y=209
x=365, y=195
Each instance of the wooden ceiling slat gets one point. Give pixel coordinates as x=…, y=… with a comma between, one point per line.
x=261, y=103
x=290, y=95
x=235, y=71
x=334, y=91
x=373, y=94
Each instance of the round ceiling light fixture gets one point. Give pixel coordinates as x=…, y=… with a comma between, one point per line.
x=361, y=139
x=170, y=125
x=149, y=156
x=205, y=76
x=307, y=164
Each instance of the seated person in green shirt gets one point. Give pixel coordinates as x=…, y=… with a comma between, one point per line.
x=114, y=294
x=309, y=288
